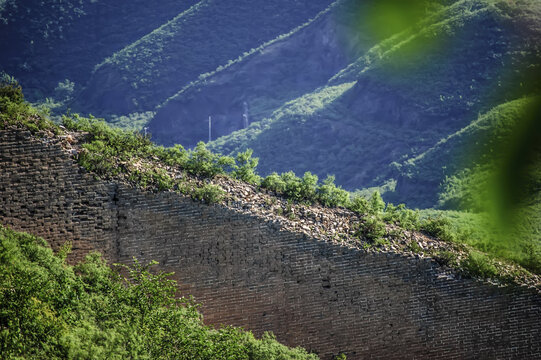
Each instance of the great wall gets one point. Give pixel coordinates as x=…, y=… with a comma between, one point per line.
x=250, y=267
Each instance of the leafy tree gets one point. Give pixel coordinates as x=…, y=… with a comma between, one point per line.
x=376, y=203
x=371, y=228
x=400, y=215
x=245, y=166
x=275, y=183
x=10, y=91
x=211, y=194
x=330, y=195
x=205, y=163
x=359, y=204
x=292, y=186
x=308, y=187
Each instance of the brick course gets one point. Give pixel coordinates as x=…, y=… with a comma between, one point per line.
x=251, y=272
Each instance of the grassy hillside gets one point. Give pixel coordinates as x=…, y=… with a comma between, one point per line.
x=450, y=162
x=197, y=41
x=400, y=97
x=490, y=170
x=53, y=310
x=255, y=84
x=278, y=71
x=260, y=81
x=44, y=43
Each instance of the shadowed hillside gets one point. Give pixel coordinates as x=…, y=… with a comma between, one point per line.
x=352, y=88
x=399, y=98
x=261, y=81
x=44, y=43
x=207, y=35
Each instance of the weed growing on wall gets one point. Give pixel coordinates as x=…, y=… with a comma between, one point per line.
x=15, y=111
x=211, y=194
x=111, y=152
x=478, y=264
x=245, y=168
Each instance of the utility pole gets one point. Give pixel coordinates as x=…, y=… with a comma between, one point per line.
x=210, y=128
x=245, y=118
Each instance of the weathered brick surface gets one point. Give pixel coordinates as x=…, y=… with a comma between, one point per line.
x=42, y=191
x=249, y=272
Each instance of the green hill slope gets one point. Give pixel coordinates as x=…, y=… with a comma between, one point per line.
x=280, y=70
x=44, y=43
x=492, y=173
x=458, y=155
x=57, y=311
x=197, y=41
x=401, y=97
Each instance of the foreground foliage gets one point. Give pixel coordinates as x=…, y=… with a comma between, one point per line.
x=51, y=310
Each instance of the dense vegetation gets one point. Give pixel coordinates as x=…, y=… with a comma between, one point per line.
x=435, y=105
x=125, y=58
x=51, y=310
x=491, y=176
x=224, y=92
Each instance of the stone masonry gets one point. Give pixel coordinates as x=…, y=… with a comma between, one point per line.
x=252, y=272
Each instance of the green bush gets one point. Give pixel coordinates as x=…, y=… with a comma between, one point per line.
x=274, y=182
x=111, y=151
x=308, y=187
x=330, y=195
x=448, y=258
x=532, y=258
x=415, y=247
x=14, y=111
x=293, y=189
x=245, y=166
x=110, y=142
x=376, y=203
x=371, y=228
x=174, y=156
x=211, y=194
x=158, y=179
x=203, y=162
x=400, y=215
x=439, y=227
x=97, y=157
x=10, y=91
x=359, y=204
x=478, y=264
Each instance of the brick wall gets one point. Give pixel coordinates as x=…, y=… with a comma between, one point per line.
x=249, y=272
x=42, y=191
